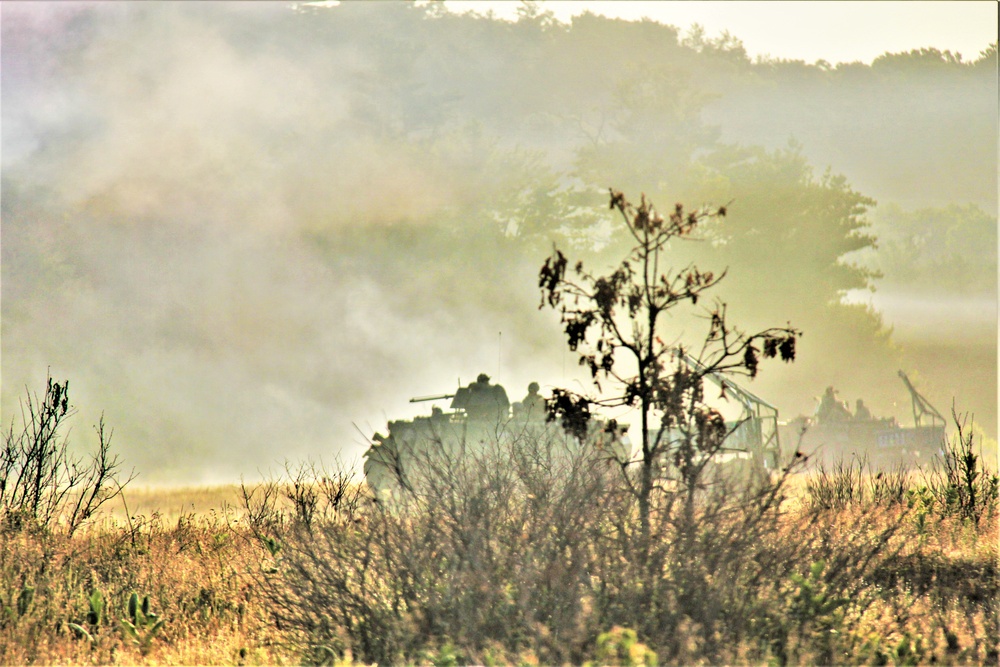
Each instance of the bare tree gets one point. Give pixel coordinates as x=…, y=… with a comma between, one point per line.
x=41, y=483
x=616, y=324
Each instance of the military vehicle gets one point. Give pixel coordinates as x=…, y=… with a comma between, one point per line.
x=480, y=416
x=753, y=434
x=835, y=434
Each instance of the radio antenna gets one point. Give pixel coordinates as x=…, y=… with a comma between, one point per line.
x=499, y=350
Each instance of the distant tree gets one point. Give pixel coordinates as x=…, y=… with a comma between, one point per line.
x=531, y=12
x=650, y=132
x=950, y=249
x=987, y=58
x=791, y=228
x=726, y=46
x=616, y=323
x=917, y=59
x=797, y=241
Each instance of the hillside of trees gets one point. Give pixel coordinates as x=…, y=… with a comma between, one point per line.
x=394, y=175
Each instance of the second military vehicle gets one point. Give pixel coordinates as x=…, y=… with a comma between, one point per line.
x=835, y=434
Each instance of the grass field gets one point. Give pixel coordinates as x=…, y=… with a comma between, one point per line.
x=848, y=567
x=171, y=502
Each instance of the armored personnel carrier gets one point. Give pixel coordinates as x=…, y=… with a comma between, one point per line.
x=480, y=416
x=833, y=434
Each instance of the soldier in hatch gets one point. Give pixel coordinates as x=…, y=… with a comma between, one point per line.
x=862, y=413
x=533, y=405
x=832, y=410
x=438, y=417
x=487, y=402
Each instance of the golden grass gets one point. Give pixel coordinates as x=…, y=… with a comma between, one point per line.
x=193, y=568
x=172, y=502
x=195, y=560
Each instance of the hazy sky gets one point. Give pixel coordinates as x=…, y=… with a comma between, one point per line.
x=203, y=234
x=809, y=31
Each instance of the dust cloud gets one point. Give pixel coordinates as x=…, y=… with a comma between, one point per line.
x=194, y=239
x=246, y=234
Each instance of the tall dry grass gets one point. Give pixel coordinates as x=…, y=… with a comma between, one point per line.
x=522, y=554
x=189, y=568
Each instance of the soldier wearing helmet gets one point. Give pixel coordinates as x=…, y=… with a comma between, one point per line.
x=832, y=409
x=533, y=405
x=486, y=402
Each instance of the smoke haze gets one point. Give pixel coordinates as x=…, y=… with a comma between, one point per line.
x=238, y=228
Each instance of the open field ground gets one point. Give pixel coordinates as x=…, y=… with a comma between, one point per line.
x=171, y=502
x=853, y=567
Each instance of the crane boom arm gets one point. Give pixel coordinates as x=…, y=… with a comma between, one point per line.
x=921, y=406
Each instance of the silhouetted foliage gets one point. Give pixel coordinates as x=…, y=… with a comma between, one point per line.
x=572, y=411
x=615, y=323
x=42, y=485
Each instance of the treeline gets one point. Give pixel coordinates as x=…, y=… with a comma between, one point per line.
x=385, y=149
x=531, y=120
x=911, y=127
